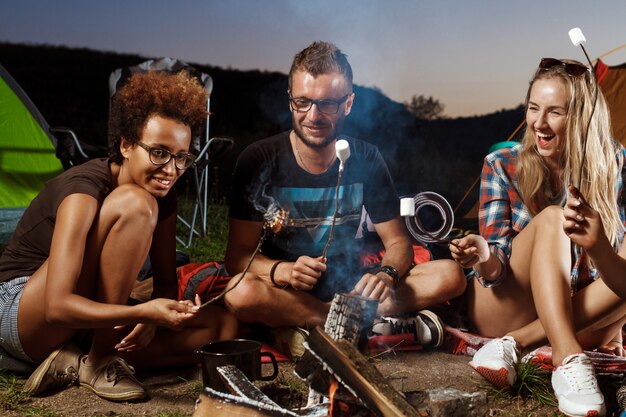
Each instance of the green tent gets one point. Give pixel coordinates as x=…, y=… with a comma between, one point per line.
x=27, y=153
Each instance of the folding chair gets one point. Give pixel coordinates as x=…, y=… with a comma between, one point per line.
x=203, y=147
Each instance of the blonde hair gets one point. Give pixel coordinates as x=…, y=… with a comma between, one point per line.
x=602, y=163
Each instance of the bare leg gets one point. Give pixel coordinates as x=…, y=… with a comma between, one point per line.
x=539, y=287
x=599, y=315
x=427, y=284
x=117, y=246
x=255, y=301
x=171, y=348
x=127, y=220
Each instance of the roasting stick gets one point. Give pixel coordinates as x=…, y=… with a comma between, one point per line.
x=275, y=219
x=342, y=150
x=578, y=39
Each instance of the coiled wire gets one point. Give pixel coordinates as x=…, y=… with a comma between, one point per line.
x=431, y=200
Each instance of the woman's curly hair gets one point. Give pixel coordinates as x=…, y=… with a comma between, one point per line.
x=176, y=96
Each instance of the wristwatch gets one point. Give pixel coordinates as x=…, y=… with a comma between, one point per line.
x=392, y=272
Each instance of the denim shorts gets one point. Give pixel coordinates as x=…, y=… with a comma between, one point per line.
x=12, y=355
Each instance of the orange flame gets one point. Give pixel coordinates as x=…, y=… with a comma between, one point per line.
x=334, y=386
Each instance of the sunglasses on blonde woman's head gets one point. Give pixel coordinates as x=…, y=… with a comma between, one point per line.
x=572, y=69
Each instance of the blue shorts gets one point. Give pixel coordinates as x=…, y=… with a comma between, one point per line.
x=12, y=355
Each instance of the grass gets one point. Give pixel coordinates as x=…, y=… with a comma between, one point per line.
x=212, y=247
x=168, y=413
x=13, y=398
x=39, y=412
x=11, y=394
x=532, y=382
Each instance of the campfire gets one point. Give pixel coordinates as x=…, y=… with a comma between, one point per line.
x=332, y=364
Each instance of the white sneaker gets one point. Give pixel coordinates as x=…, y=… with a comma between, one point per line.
x=496, y=361
x=426, y=327
x=576, y=388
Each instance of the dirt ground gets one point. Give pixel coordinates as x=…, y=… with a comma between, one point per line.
x=174, y=394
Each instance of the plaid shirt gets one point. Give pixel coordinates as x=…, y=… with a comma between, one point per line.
x=503, y=215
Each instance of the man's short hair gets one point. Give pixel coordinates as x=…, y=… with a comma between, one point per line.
x=321, y=58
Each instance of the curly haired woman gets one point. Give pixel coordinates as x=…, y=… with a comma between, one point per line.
x=74, y=257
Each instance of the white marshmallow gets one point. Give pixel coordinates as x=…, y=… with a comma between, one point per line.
x=342, y=149
x=407, y=206
x=576, y=36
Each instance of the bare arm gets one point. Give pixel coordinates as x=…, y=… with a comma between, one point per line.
x=584, y=226
x=63, y=304
x=398, y=251
x=243, y=238
x=398, y=254
x=473, y=251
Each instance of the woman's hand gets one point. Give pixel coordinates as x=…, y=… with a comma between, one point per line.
x=469, y=250
x=615, y=346
x=612, y=348
x=140, y=337
x=169, y=313
x=582, y=223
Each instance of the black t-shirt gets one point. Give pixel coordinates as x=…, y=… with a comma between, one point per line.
x=29, y=246
x=267, y=172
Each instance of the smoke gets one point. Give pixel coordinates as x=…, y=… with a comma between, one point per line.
x=257, y=195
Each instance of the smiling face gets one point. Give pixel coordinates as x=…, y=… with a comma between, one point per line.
x=137, y=168
x=546, y=116
x=313, y=127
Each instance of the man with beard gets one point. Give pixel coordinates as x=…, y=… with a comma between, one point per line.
x=290, y=283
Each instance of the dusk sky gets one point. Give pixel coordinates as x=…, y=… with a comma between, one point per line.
x=475, y=57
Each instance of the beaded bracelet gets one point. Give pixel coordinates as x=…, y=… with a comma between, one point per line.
x=272, y=270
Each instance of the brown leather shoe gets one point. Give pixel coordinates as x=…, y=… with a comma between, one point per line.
x=112, y=379
x=59, y=370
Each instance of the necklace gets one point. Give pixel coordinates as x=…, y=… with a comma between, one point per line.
x=304, y=165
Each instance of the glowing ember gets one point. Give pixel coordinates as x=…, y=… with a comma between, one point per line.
x=275, y=218
x=332, y=390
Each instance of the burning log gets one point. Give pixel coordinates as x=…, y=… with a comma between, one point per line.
x=350, y=317
x=333, y=354
x=357, y=375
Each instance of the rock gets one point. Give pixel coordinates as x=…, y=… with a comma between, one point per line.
x=451, y=402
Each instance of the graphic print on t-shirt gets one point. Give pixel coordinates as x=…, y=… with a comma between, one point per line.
x=311, y=210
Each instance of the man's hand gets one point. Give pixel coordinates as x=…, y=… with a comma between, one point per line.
x=379, y=286
x=306, y=271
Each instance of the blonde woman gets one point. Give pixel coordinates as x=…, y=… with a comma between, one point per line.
x=531, y=284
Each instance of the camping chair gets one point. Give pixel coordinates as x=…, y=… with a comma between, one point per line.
x=71, y=151
x=203, y=147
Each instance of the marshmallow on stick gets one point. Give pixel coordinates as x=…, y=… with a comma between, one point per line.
x=342, y=150
x=576, y=36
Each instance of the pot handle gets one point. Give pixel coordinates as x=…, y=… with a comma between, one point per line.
x=274, y=365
